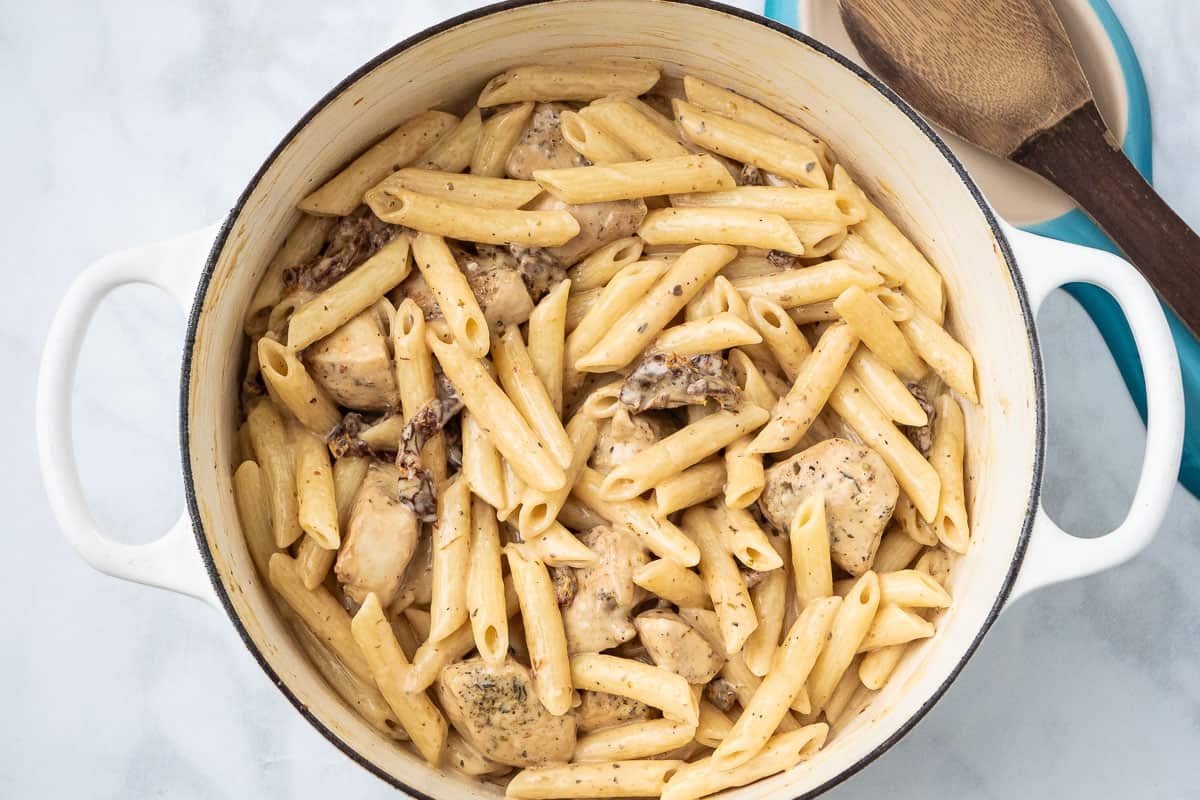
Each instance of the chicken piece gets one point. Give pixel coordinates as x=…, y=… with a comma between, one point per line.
x=355, y=238
x=598, y=710
x=354, y=364
x=664, y=380
x=542, y=145
x=380, y=538
x=599, y=224
x=598, y=617
x=675, y=645
x=625, y=435
x=495, y=278
x=497, y=712
x=860, y=494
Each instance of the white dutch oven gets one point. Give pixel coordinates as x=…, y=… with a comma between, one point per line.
x=997, y=279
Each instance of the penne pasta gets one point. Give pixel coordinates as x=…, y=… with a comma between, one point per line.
x=946, y=456
x=452, y=292
x=593, y=780
x=485, y=585
x=557, y=547
x=657, y=533
x=787, y=344
x=452, y=153
x=782, y=752
x=528, y=394
x=499, y=134
x=481, y=463
x=886, y=389
x=552, y=673
x=720, y=226
x=818, y=237
x=809, y=538
x=894, y=625
x=467, y=189
x=600, y=267
x=633, y=740
x=304, y=241
x=254, y=512
x=414, y=379
x=343, y=193
x=722, y=580
x=547, y=338
x=949, y=359
x=317, y=509
x=654, y=686
x=666, y=579
x=634, y=179
x=592, y=141
x=790, y=202
x=545, y=82
x=871, y=321
x=808, y=285
x=451, y=552
x=741, y=535
x=633, y=129
x=690, y=487
x=769, y=598
x=268, y=437
x=455, y=220
x=292, y=388
x=540, y=509
x=850, y=625
x=896, y=552
x=706, y=335
x=714, y=725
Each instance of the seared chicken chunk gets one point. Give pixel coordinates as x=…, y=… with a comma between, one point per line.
x=497, y=712
x=598, y=617
x=675, y=645
x=860, y=494
x=496, y=279
x=380, y=538
x=542, y=145
x=664, y=380
x=598, y=710
x=599, y=224
x=354, y=364
x=624, y=436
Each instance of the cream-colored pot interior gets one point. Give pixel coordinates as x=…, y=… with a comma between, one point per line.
x=886, y=150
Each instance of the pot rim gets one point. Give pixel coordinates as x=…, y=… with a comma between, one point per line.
x=507, y=5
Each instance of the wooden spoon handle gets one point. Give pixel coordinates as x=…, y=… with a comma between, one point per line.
x=1079, y=157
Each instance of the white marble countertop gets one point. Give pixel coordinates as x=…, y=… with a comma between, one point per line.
x=131, y=122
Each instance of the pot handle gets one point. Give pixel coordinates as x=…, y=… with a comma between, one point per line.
x=1053, y=554
x=171, y=561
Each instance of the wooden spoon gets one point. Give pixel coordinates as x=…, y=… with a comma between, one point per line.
x=1002, y=74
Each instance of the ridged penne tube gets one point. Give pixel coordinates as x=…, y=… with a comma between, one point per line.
x=579, y=305
x=786, y=342
x=592, y=141
x=666, y=579
x=886, y=389
x=268, y=436
x=633, y=128
x=750, y=145
x=743, y=682
x=745, y=476
x=714, y=725
x=844, y=692
x=657, y=533
x=303, y=242
x=418, y=715
x=472, y=223
x=920, y=280
x=855, y=248
x=809, y=538
x=451, y=553
x=875, y=667
x=634, y=179
x=498, y=417
x=769, y=597
x=317, y=508
x=946, y=456
x=795, y=413
x=706, y=335
x=729, y=104
x=313, y=560
x=918, y=479
x=749, y=266
x=633, y=740
x=894, y=625
x=789, y=202
x=751, y=380
x=485, y=585
x=520, y=382
x=481, y=463
x=790, y=667
x=850, y=626
x=813, y=312
x=675, y=453
x=654, y=686
x=514, y=492
x=254, y=512
x=599, y=268
x=742, y=227
x=547, y=338
x=290, y=385
x=723, y=580
x=896, y=552
x=343, y=193
x=323, y=614
x=745, y=540
x=912, y=588
x=807, y=285
x=782, y=752
x=414, y=378
x=819, y=237
x=624, y=290
x=558, y=547
x=592, y=780
x=552, y=672
x=949, y=359
x=454, y=296
x=499, y=134
x=586, y=81
x=470, y=190
x=362, y=696
x=690, y=487
x=452, y=153
x=540, y=509
x=935, y=563
x=639, y=325
x=873, y=323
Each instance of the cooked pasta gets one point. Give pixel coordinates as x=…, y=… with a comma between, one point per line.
x=564, y=478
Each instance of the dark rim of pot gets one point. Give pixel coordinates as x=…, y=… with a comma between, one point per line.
x=496, y=8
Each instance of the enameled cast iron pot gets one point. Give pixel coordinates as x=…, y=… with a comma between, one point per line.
x=997, y=278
